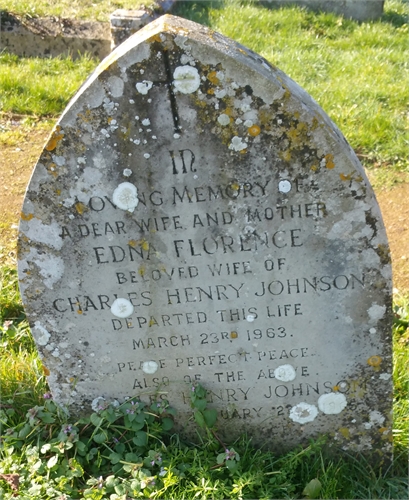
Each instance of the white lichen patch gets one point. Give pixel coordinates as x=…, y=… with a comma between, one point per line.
x=223, y=119
x=186, y=79
x=385, y=376
x=180, y=41
x=220, y=93
x=122, y=308
x=146, y=122
x=285, y=373
x=250, y=318
x=284, y=186
x=376, y=418
x=43, y=336
x=237, y=144
x=125, y=196
x=58, y=160
x=51, y=269
x=115, y=86
x=127, y=172
x=150, y=367
x=376, y=312
x=98, y=404
x=144, y=87
x=303, y=413
x=48, y=234
x=332, y=403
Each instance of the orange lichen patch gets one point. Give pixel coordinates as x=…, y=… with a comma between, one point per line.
x=46, y=371
x=335, y=388
x=26, y=216
x=144, y=244
x=234, y=335
x=58, y=192
x=344, y=177
x=80, y=208
x=329, y=158
x=139, y=243
x=213, y=78
x=243, y=151
x=152, y=322
x=293, y=133
x=374, y=361
x=314, y=123
x=383, y=429
x=55, y=138
x=142, y=270
x=79, y=312
x=254, y=130
x=344, y=431
x=154, y=38
x=235, y=186
x=286, y=155
x=210, y=91
x=314, y=168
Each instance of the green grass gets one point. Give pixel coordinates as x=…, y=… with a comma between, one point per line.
x=40, y=87
x=97, y=10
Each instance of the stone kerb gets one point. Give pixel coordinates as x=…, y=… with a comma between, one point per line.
x=361, y=10
x=195, y=217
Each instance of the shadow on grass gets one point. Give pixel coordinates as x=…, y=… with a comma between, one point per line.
x=394, y=18
x=197, y=11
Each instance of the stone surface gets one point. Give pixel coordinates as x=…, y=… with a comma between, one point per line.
x=52, y=37
x=361, y=10
x=196, y=217
x=125, y=23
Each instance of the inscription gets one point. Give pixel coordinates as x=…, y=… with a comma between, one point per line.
x=135, y=251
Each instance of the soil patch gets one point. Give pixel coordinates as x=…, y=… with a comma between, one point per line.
x=17, y=161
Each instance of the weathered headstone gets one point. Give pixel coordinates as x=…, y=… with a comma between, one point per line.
x=196, y=217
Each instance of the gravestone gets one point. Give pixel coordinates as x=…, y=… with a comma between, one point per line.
x=195, y=217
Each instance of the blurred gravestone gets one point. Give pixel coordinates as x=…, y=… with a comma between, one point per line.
x=196, y=217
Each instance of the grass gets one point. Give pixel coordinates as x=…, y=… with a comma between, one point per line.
x=97, y=10
x=55, y=82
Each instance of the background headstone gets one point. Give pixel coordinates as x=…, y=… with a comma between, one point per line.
x=196, y=217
